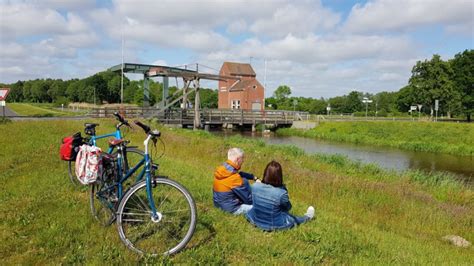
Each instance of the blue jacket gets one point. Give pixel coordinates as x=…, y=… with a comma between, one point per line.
x=231, y=188
x=270, y=208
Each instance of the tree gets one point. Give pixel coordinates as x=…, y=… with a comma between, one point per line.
x=430, y=81
x=282, y=92
x=386, y=101
x=353, y=102
x=16, y=92
x=39, y=91
x=463, y=77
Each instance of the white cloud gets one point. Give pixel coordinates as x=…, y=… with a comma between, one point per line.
x=296, y=19
x=405, y=15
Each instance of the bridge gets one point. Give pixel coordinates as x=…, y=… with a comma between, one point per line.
x=208, y=117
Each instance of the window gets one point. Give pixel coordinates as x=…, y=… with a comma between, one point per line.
x=223, y=88
x=235, y=104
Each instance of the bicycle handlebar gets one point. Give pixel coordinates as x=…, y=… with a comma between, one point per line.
x=155, y=133
x=143, y=126
x=121, y=120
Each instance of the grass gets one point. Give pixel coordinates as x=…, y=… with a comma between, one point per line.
x=364, y=215
x=38, y=109
x=452, y=138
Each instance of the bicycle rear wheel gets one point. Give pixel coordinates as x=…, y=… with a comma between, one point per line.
x=103, y=201
x=72, y=173
x=164, y=236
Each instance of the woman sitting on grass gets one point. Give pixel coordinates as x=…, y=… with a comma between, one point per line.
x=271, y=203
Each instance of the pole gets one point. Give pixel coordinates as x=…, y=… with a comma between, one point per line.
x=121, y=80
x=264, y=82
x=3, y=107
x=366, y=109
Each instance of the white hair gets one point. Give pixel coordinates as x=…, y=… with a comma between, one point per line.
x=234, y=153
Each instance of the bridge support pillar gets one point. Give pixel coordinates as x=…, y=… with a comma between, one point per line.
x=254, y=128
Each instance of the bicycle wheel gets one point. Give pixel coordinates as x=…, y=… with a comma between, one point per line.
x=103, y=200
x=164, y=236
x=72, y=173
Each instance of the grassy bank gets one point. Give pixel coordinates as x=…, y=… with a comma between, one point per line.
x=364, y=215
x=452, y=138
x=38, y=109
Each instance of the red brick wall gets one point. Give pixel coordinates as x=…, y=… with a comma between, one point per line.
x=247, y=96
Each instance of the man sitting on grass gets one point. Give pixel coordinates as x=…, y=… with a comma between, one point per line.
x=231, y=189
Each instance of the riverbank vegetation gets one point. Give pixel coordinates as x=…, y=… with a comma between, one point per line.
x=364, y=215
x=452, y=138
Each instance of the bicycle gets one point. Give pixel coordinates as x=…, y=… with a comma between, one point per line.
x=156, y=216
x=131, y=156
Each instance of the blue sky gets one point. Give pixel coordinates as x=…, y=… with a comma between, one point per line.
x=320, y=48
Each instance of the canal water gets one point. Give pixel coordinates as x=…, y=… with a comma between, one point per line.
x=385, y=157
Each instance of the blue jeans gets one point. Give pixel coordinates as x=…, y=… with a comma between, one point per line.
x=300, y=219
x=243, y=209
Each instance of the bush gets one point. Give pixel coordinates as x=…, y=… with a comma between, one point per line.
x=61, y=100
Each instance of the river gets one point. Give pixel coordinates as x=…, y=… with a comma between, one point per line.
x=385, y=157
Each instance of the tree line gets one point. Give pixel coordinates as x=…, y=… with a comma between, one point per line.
x=103, y=87
x=450, y=82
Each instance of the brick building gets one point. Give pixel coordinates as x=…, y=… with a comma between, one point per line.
x=243, y=92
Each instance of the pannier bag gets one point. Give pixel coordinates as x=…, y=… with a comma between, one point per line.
x=88, y=164
x=70, y=146
x=109, y=166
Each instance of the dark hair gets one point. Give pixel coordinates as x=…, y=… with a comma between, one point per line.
x=273, y=174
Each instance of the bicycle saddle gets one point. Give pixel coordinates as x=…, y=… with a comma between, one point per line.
x=115, y=142
x=90, y=125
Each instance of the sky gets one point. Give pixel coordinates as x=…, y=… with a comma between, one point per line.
x=320, y=48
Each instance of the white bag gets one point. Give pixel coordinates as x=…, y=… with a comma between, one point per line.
x=88, y=164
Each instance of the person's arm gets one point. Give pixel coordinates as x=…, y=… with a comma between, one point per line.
x=244, y=192
x=285, y=203
x=248, y=176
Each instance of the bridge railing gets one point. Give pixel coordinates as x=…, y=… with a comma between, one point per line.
x=207, y=115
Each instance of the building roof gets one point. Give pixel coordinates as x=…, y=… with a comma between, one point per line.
x=238, y=69
x=243, y=84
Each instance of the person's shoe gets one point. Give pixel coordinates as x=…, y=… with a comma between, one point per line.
x=310, y=212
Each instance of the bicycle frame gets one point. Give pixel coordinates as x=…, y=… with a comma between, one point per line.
x=156, y=216
x=117, y=134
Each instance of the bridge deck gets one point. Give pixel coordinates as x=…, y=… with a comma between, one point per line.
x=208, y=116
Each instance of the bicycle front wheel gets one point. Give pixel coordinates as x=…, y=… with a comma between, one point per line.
x=166, y=235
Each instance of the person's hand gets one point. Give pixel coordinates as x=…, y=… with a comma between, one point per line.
x=257, y=180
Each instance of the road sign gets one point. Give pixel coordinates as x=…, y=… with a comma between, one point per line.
x=2, y=103
x=419, y=107
x=413, y=107
x=436, y=105
x=4, y=93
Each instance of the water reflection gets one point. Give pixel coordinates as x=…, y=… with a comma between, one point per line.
x=388, y=158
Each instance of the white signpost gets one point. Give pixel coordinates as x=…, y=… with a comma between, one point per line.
x=3, y=96
x=419, y=110
x=366, y=101
x=436, y=109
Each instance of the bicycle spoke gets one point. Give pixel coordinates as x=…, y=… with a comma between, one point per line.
x=167, y=235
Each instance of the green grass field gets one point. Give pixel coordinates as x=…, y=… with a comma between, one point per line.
x=364, y=215
x=452, y=138
x=38, y=109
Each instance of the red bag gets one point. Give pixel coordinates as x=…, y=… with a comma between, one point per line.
x=70, y=147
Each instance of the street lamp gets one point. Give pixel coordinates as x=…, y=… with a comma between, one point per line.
x=366, y=101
